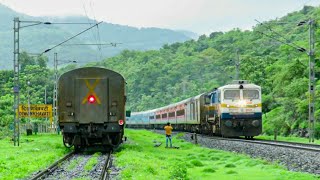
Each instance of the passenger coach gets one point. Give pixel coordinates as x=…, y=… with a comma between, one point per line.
x=230, y=110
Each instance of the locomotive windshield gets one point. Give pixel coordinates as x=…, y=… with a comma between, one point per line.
x=232, y=94
x=250, y=94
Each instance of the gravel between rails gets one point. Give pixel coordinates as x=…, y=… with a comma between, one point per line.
x=74, y=168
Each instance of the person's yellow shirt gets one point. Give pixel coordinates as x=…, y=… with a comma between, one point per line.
x=168, y=130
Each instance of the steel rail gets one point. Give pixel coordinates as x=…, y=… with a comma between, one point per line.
x=284, y=144
x=294, y=145
x=291, y=143
x=105, y=174
x=50, y=169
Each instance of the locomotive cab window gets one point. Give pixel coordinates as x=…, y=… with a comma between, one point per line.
x=232, y=94
x=207, y=99
x=217, y=97
x=213, y=97
x=250, y=94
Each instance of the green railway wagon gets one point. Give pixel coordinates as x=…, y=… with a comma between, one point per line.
x=91, y=107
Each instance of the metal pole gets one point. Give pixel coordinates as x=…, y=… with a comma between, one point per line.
x=237, y=65
x=16, y=66
x=29, y=119
x=45, y=94
x=45, y=99
x=311, y=80
x=55, y=90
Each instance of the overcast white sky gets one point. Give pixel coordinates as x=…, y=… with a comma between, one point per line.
x=199, y=16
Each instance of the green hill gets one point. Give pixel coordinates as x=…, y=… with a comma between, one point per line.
x=38, y=38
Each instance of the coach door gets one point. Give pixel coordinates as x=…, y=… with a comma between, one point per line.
x=91, y=94
x=197, y=111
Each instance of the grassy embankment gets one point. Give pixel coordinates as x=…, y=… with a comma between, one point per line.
x=34, y=153
x=139, y=159
x=289, y=139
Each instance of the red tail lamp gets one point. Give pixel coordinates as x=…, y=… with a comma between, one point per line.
x=121, y=122
x=91, y=99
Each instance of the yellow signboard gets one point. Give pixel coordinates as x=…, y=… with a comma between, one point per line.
x=36, y=111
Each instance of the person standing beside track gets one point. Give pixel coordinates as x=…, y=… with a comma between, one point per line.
x=168, y=128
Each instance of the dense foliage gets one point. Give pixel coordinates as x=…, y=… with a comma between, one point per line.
x=159, y=77
x=182, y=70
x=34, y=70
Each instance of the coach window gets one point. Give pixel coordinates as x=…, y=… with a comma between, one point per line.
x=180, y=112
x=151, y=117
x=164, y=115
x=172, y=114
x=158, y=116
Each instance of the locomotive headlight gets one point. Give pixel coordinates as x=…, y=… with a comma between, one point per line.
x=228, y=105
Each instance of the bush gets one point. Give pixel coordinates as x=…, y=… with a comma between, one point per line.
x=5, y=132
x=209, y=170
x=317, y=131
x=197, y=163
x=230, y=166
x=179, y=171
x=231, y=172
x=179, y=135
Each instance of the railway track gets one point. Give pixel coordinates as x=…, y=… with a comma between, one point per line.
x=75, y=166
x=294, y=156
x=293, y=145
x=284, y=144
x=105, y=174
x=51, y=168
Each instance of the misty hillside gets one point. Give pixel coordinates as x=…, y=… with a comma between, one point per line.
x=36, y=39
